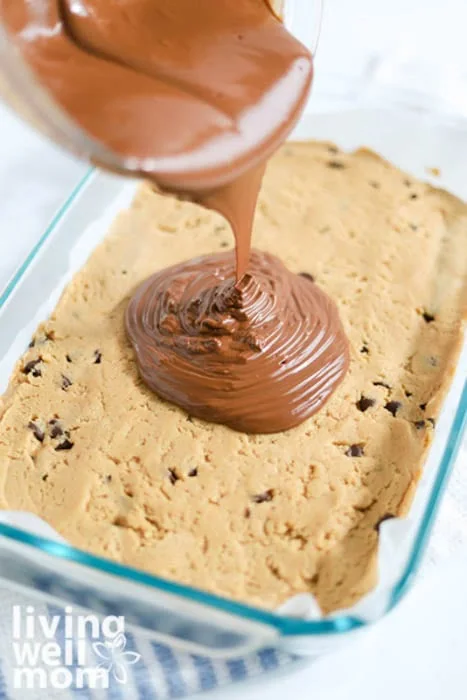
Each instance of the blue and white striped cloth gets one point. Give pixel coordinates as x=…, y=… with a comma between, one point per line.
x=161, y=673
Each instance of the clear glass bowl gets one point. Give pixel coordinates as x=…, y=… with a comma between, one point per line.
x=25, y=95
x=185, y=617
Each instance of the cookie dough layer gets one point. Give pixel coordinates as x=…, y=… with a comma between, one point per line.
x=123, y=474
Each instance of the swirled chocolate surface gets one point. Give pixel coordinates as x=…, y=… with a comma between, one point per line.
x=260, y=356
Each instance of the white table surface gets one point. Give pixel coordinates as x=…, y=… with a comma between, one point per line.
x=420, y=650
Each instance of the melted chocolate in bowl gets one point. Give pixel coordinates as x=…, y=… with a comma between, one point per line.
x=200, y=94
x=260, y=356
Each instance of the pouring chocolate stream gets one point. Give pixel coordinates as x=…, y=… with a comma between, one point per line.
x=200, y=94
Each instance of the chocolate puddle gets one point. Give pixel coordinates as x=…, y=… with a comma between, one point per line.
x=259, y=356
x=201, y=94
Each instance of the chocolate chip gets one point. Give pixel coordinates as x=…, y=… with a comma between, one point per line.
x=36, y=431
x=247, y=513
x=193, y=472
x=31, y=367
x=124, y=272
x=422, y=406
x=97, y=357
x=363, y=508
x=365, y=350
x=419, y=424
x=364, y=403
x=56, y=431
x=50, y=335
x=393, y=407
x=263, y=497
x=408, y=394
x=336, y=164
x=307, y=276
x=189, y=419
x=68, y=358
x=427, y=317
x=32, y=343
x=45, y=477
x=388, y=516
x=108, y=478
x=433, y=361
x=173, y=476
x=66, y=382
x=355, y=451
x=414, y=195
x=432, y=421
x=383, y=384
x=65, y=445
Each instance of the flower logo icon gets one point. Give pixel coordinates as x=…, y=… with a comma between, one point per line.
x=115, y=658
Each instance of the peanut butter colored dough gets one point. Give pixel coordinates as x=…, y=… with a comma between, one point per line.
x=85, y=445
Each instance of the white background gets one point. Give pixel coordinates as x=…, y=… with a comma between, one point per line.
x=421, y=649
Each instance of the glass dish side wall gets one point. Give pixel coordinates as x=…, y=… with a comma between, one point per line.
x=181, y=615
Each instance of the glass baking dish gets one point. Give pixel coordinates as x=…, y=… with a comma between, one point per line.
x=414, y=136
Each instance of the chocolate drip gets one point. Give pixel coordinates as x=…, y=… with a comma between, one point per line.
x=200, y=94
